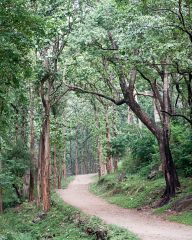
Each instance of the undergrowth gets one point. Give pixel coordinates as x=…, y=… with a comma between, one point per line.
x=133, y=192
x=61, y=223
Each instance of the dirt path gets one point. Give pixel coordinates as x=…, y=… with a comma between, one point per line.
x=147, y=227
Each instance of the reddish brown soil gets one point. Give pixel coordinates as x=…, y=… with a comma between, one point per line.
x=146, y=226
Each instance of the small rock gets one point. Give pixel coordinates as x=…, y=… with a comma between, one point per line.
x=39, y=217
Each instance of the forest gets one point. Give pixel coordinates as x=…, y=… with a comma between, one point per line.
x=94, y=87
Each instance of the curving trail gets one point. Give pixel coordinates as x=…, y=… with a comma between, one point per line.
x=147, y=227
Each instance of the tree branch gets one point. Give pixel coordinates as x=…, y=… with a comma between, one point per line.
x=145, y=94
x=178, y=115
x=81, y=90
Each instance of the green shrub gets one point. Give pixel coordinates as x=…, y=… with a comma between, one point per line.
x=15, y=163
x=141, y=155
x=181, y=146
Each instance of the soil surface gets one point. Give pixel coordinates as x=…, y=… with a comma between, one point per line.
x=145, y=226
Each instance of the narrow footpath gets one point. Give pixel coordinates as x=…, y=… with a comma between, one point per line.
x=146, y=227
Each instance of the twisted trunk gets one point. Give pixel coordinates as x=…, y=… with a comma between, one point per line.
x=170, y=174
x=160, y=132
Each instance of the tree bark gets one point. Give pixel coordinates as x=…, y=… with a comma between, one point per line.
x=38, y=200
x=45, y=164
x=19, y=195
x=170, y=174
x=31, y=186
x=109, y=160
x=46, y=86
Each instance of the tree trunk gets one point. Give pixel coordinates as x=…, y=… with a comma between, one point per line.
x=115, y=157
x=171, y=178
x=71, y=160
x=64, y=154
x=32, y=148
x=45, y=163
x=109, y=160
x=46, y=86
x=19, y=195
x=161, y=132
x=130, y=116
x=31, y=186
x=59, y=181
x=23, y=125
x=170, y=174
x=76, y=154
x=38, y=201
x=116, y=161
x=101, y=165
x=26, y=184
x=55, y=166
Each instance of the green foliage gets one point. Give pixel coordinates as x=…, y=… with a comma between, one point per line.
x=19, y=25
x=138, y=150
x=118, y=145
x=181, y=145
x=142, y=145
x=16, y=160
x=15, y=163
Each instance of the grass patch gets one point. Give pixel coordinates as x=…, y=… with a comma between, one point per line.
x=134, y=192
x=67, y=181
x=185, y=218
x=61, y=223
